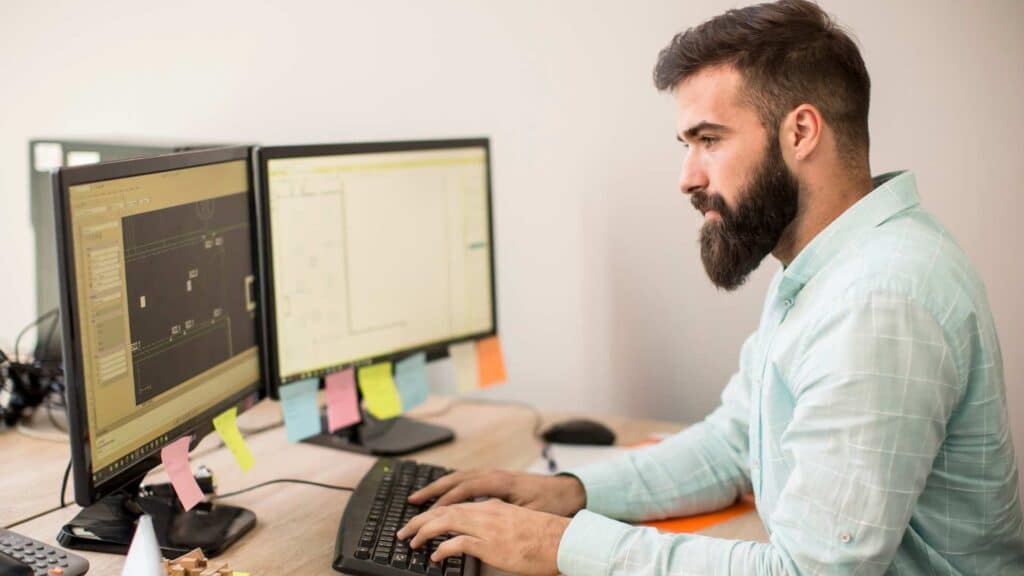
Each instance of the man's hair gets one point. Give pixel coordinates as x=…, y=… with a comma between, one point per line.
x=788, y=53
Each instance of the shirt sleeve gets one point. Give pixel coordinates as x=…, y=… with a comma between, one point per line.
x=873, y=391
x=703, y=468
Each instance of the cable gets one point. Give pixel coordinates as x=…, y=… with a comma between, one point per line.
x=64, y=484
x=17, y=341
x=33, y=517
x=538, y=417
x=282, y=481
x=49, y=336
x=63, y=487
x=53, y=420
x=538, y=422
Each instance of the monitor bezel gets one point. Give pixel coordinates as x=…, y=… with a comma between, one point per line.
x=86, y=491
x=262, y=155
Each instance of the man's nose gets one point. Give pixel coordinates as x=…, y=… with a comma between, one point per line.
x=692, y=177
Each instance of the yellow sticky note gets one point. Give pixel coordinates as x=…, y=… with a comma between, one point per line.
x=236, y=573
x=379, y=391
x=463, y=357
x=227, y=426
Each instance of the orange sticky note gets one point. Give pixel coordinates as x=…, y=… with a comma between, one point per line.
x=342, y=400
x=691, y=524
x=175, y=459
x=489, y=362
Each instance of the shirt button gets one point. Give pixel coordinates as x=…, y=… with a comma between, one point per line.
x=788, y=302
x=845, y=537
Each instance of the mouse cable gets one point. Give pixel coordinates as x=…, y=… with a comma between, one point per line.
x=282, y=481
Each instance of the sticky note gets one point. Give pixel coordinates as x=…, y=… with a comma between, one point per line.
x=463, y=357
x=490, y=363
x=237, y=573
x=411, y=380
x=342, y=400
x=301, y=411
x=379, y=391
x=175, y=459
x=442, y=379
x=227, y=426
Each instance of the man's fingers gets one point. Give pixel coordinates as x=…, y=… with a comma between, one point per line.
x=470, y=489
x=463, y=544
x=462, y=518
x=439, y=486
x=417, y=522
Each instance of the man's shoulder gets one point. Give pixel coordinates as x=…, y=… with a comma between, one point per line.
x=910, y=255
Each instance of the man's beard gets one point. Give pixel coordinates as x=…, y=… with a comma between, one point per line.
x=733, y=246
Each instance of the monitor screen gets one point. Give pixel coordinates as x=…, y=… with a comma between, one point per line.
x=158, y=272
x=375, y=250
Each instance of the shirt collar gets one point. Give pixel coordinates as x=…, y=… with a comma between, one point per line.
x=893, y=193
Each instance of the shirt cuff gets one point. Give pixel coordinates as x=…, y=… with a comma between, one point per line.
x=589, y=544
x=602, y=484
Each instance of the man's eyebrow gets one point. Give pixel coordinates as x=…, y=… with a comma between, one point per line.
x=703, y=126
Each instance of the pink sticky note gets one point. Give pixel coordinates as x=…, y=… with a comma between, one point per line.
x=342, y=401
x=175, y=459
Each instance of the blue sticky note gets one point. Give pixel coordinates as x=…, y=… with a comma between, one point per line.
x=300, y=407
x=411, y=380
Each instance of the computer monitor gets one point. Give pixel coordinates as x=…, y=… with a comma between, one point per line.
x=158, y=290
x=373, y=251
x=45, y=154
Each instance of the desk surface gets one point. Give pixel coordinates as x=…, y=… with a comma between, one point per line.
x=297, y=524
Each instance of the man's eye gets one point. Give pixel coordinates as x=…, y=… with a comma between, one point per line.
x=708, y=140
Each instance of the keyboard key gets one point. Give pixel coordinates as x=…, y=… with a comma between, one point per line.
x=362, y=552
x=399, y=560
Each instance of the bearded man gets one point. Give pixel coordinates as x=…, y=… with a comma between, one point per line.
x=868, y=416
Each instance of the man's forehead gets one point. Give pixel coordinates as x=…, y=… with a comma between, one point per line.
x=712, y=95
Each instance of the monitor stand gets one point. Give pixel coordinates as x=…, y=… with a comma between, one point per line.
x=109, y=524
x=391, y=437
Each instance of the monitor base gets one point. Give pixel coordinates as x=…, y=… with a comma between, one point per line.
x=392, y=437
x=108, y=525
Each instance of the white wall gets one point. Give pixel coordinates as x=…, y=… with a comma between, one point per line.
x=604, y=305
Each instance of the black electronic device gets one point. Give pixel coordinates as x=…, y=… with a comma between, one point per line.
x=24, y=556
x=46, y=154
x=367, y=543
x=372, y=252
x=579, y=431
x=161, y=334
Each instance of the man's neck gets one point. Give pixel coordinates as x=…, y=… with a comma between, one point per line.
x=819, y=207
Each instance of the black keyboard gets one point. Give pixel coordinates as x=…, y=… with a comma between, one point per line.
x=379, y=508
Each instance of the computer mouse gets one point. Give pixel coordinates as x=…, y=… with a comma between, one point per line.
x=579, y=431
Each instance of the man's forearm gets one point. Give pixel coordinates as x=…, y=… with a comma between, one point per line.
x=693, y=472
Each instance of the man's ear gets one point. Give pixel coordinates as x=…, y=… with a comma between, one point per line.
x=801, y=132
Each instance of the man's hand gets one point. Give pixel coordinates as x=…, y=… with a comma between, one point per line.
x=562, y=495
x=508, y=537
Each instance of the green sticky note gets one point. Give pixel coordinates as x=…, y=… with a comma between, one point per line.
x=379, y=391
x=227, y=426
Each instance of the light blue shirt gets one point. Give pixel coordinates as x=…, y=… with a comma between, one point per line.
x=868, y=417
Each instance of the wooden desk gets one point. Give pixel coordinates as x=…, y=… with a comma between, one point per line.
x=297, y=524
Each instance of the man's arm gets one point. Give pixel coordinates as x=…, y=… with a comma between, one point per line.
x=703, y=468
x=873, y=393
